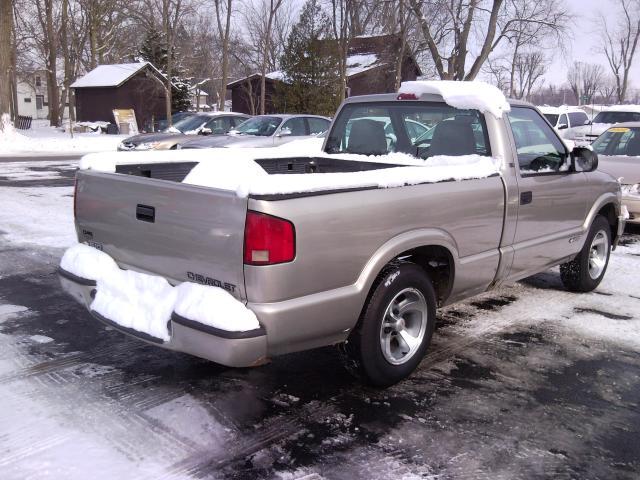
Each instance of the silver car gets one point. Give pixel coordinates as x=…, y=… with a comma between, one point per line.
x=198, y=124
x=266, y=131
x=618, y=149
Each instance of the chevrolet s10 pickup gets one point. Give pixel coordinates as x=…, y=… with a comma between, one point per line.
x=418, y=199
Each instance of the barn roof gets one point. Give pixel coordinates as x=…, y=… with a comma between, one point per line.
x=112, y=75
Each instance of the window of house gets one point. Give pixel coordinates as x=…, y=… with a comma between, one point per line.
x=39, y=102
x=27, y=100
x=539, y=148
x=38, y=81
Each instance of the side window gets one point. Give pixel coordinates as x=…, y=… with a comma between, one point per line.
x=539, y=148
x=578, y=118
x=563, y=120
x=317, y=125
x=219, y=125
x=296, y=126
x=238, y=120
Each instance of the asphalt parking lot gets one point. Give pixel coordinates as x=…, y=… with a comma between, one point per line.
x=525, y=382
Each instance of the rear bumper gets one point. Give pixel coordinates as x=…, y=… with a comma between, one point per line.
x=632, y=202
x=233, y=349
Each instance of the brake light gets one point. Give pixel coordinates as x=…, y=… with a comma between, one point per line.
x=407, y=96
x=268, y=240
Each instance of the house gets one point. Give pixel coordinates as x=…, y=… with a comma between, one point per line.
x=245, y=92
x=33, y=98
x=372, y=66
x=138, y=86
x=199, y=100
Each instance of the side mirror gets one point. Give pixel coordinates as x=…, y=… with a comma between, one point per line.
x=285, y=132
x=583, y=159
x=588, y=122
x=563, y=126
x=205, y=131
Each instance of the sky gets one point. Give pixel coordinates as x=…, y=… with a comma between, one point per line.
x=584, y=41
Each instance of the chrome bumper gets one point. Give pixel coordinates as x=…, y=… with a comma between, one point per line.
x=233, y=349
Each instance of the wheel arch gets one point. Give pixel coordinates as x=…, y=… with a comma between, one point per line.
x=434, y=250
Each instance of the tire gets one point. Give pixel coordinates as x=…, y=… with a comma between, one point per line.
x=403, y=298
x=586, y=271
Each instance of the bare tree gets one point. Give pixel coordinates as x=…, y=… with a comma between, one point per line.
x=450, y=27
x=529, y=68
x=607, y=89
x=224, y=34
x=274, y=6
x=585, y=80
x=619, y=42
x=6, y=63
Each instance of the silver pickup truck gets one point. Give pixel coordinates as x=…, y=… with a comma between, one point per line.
x=362, y=267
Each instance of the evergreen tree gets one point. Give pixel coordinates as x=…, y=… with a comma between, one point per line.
x=154, y=49
x=310, y=65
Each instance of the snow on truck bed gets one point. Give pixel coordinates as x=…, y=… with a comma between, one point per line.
x=237, y=170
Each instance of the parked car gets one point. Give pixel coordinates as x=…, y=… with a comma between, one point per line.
x=310, y=254
x=563, y=118
x=163, y=124
x=608, y=117
x=619, y=152
x=266, y=131
x=203, y=124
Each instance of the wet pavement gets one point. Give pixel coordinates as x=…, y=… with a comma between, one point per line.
x=525, y=382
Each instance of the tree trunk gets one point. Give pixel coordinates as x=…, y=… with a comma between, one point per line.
x=265, y=54
x=6, y=67
x=167, y=32
x=52, y=74
x=222, y=95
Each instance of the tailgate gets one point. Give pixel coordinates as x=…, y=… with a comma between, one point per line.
x=181, y=232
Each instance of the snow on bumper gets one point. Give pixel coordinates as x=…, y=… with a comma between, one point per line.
x=201, y=320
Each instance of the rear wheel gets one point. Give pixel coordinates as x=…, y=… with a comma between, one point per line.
x=586, y=271
x=395, y=328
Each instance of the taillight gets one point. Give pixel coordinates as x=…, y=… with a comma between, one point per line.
x=268, y=240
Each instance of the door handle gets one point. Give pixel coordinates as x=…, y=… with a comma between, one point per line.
x=526, y=198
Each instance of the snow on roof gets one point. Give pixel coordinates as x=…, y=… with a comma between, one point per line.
x=622, y=108
x=110, y=75
x=559, y=110
x=361, y=62
x=465, y=95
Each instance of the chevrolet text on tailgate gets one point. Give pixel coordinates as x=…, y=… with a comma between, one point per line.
x=417, y=200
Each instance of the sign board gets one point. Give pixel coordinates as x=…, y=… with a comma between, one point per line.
x=126, y=121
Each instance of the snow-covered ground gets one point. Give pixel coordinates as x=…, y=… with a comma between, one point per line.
x=43, y=139
x=529, y=381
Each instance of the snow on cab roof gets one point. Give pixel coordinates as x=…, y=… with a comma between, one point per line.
x=111, y=75
x=466, y=95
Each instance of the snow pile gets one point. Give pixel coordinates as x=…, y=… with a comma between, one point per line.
x=8, y=133
x=465, y=95
x=236, y=170
x=41, y=138
x=244, y=182
x=145, y=302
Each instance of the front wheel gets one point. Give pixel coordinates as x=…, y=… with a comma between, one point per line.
x=586, y=271
x=395, y=328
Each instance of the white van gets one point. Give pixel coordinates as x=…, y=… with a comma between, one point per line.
x=564, y=117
